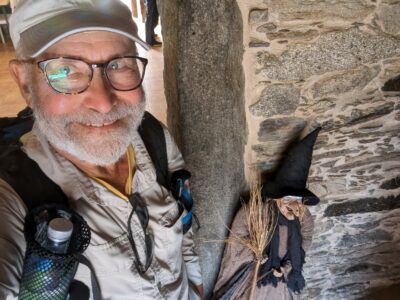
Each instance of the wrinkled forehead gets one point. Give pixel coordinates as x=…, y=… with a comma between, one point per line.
x=92, y=46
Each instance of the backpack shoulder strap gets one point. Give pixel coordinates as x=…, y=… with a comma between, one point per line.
x=21, y=172
x=11, y=129
x=152, y=134
x=27, y=179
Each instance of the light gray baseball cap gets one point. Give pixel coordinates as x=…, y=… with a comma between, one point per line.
x=35, y=25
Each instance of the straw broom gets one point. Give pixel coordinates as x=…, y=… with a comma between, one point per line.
x=261, y=222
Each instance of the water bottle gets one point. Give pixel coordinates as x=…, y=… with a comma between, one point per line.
x=45, y=272
x=59, y=233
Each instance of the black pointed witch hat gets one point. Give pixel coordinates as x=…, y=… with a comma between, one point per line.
x=291, y=178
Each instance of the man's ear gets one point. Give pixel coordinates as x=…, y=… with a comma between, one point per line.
x=21, y=76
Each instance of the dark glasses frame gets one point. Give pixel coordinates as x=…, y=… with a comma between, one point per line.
x=139, y=207
x=43, y=63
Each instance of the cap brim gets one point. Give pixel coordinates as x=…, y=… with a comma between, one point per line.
x=35, y=40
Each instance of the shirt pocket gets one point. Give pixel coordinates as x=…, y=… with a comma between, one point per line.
x=172, y=216
x=113, y=256
x=168, y=245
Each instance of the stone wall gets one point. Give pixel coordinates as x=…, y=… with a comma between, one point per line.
x=334, y=63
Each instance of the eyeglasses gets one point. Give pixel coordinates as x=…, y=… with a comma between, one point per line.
x=140, y=209
x=288, y=199
x=73, y=76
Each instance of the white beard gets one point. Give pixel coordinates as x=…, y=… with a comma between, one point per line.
x=64, y=132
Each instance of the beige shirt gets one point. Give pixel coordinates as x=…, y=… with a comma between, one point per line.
x=175, y=262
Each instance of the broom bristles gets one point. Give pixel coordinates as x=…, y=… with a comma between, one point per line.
x=260, y=220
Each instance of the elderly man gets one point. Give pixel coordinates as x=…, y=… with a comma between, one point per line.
x=77, y=68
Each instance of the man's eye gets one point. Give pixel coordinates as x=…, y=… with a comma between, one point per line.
x=114, y=66
x=65, y=70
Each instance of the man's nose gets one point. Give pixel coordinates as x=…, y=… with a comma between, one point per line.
x=99, y=96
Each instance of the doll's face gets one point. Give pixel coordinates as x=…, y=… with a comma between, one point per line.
x=290, y=206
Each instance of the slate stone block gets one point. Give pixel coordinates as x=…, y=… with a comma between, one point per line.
x=343, y=82
x=258, y=15
x=389, y=17
x=295, y=10
x=258, y=43
x=267, y=27
x=363, y=206
x=342, y=50
x=276, y=100
x=391, y=184
x=364, y=267
x=392, y=85
x=362, y=238
x=273, y=130
x=360, y=115
x=293, y=35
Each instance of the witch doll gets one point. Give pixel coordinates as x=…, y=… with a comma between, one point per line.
x=280, y=225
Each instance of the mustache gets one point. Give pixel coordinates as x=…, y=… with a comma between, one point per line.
x=118, y=112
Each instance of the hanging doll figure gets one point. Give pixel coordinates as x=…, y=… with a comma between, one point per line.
x=277, y=274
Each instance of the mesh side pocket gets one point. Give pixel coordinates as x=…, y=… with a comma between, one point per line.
x=47, y=275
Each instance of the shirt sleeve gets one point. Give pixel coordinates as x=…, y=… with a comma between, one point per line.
x=12, y=241
x=192, y=261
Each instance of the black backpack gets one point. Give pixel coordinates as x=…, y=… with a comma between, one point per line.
x=32, y=185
